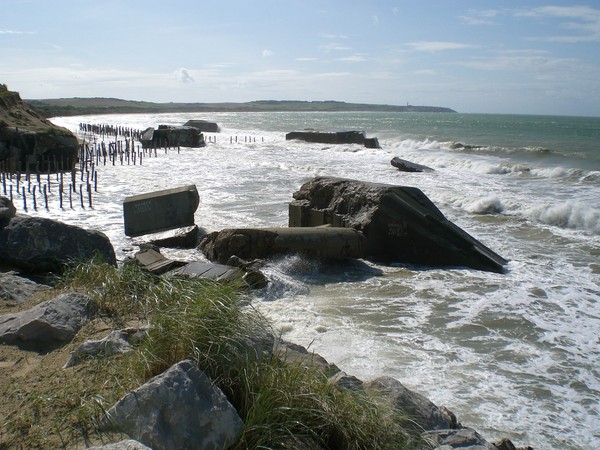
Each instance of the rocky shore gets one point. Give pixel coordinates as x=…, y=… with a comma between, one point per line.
x=62, y=345
x=160, y=416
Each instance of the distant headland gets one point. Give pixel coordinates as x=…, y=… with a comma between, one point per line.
x=99, y=105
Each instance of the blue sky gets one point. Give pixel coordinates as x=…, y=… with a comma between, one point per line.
x=525, y=57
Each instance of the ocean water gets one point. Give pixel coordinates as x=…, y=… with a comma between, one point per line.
x=513, y=355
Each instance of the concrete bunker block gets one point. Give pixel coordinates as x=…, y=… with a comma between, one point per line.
x=160, y=210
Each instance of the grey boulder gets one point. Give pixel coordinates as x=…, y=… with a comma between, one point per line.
x=38, y=244
x=425, y=414
x=180, y=408
x=51, y=322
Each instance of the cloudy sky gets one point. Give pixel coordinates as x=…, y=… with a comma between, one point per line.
x=475, y=56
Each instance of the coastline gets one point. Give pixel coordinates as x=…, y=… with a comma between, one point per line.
x=86, y=106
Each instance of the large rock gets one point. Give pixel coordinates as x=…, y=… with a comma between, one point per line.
x=179, y=409
x=400, y=223
x=37, y=244
x=464, y=438
x=422, y=412
x=51, y=322
x=15, y=289
x=172, y=136
x=117, y=342
x=7, y=211
x=260, y=243
x=127, y=444
x=203, y=125
x=338, y=137
x=30, y=142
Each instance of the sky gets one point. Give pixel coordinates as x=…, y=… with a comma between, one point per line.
x=474, y=56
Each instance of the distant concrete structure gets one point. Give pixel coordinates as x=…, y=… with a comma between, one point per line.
x=203, y=125
x=172, y=136
x=407, y=166
x=338, y=137
x=160, y=210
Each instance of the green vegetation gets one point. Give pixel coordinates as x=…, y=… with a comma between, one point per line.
x=281, y=403
x=83, y=106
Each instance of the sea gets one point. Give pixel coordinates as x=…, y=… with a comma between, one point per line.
x=513, y=355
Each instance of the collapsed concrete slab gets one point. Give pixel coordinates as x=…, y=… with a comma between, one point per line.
x=255, y=243
x=400, y=223
x=172, y=136
x=203, y=125
x=160, y=210
x=407, y=166
x=339, y=137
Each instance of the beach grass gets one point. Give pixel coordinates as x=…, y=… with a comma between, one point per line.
x=283, y=404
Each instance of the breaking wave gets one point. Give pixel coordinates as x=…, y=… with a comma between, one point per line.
x=573, y=215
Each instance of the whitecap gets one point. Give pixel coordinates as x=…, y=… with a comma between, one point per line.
x=575, y=215
x=485, y=205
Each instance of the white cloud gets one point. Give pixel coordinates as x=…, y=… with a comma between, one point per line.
x=584, y=21
x=15, y=32
x=353, y=58
x=438, y=46
x=427, y=72
x=333, y=36
x=479, y=17
x=334, y=47
x=183, y=75
x=533, y=61
x=306, y=59
x=266, y=53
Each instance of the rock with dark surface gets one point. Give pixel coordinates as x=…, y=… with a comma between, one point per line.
x=260, y=243
x=30, y=142
x=172, y=136
x=422, y=412
x=38, y=244
x=15, y=289
x=203, y=125
x=117, y=342
x=464, y=438
x=400, y=223
x=179, y=409
x=338, y=137
x=184, y=237
x=7, y=211
x=407, y=166
x=127, y=444
x=51, y=322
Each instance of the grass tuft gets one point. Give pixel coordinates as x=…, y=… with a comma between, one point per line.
x=282, y=404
